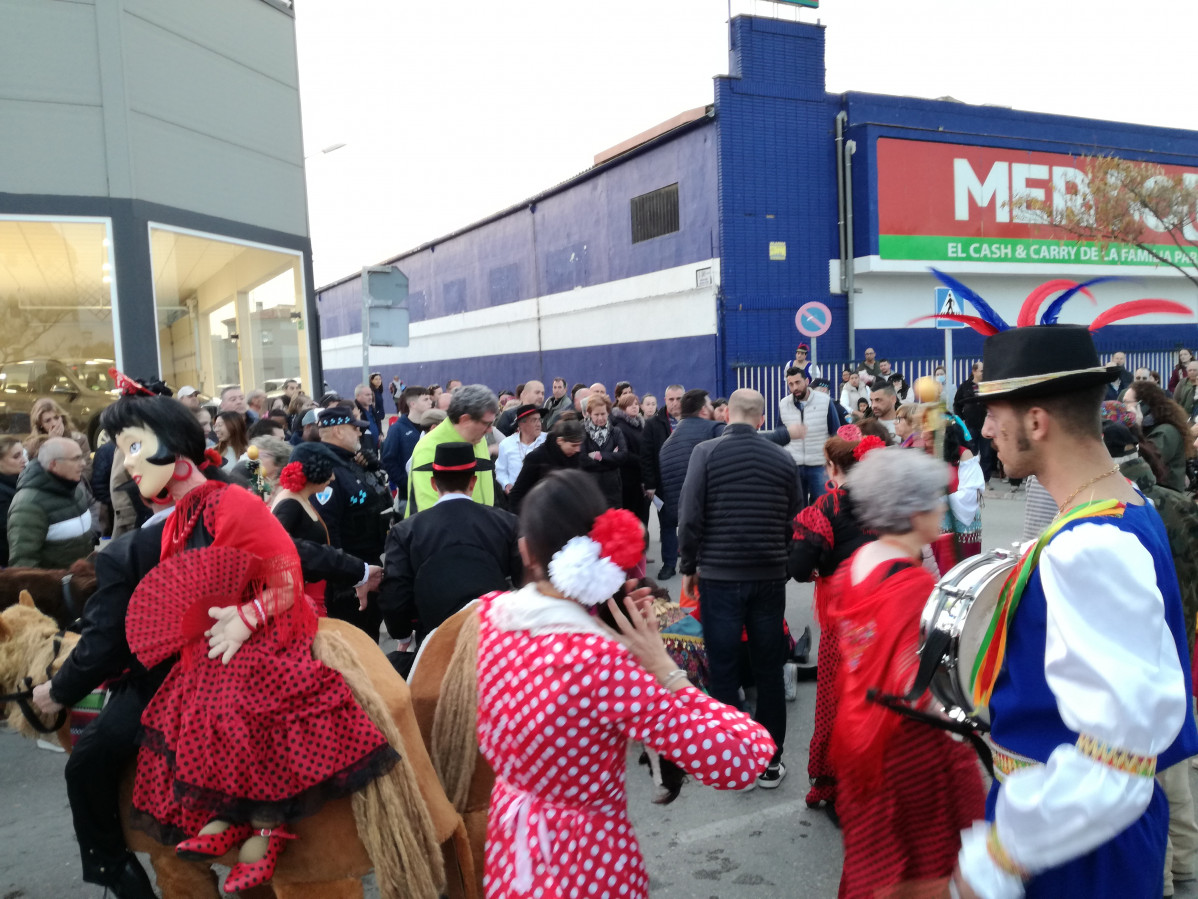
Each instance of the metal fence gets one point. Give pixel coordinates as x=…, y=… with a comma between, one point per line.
x=770, y=380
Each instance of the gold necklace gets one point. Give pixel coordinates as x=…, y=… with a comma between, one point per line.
x=1089, y=483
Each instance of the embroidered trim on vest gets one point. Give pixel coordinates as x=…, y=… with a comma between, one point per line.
x=1119, y=759
x=1007, y=763
x=1000, y=857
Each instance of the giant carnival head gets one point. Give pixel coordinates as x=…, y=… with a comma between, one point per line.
x=159, y=437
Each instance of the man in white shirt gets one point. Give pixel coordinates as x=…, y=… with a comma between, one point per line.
x=816, y=418
x=512, y=450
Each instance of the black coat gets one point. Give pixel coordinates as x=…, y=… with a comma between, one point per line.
x=675, y=457
x=631, y=479
x=354, y=510
x=738, y=502
x=102, y=651
x=607, y=468
x=657, y=432
x=8, y=488
x=442, y=559
x=546, y=458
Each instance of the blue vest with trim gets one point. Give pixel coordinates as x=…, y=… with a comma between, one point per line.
x=1023, y=710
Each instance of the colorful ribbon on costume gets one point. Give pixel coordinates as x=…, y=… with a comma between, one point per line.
x=990, y=659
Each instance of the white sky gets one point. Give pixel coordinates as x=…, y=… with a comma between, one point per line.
x=450, y=111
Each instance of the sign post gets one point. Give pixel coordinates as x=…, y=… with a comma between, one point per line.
x=384, y=311
x=813, y=320
x=947, y=304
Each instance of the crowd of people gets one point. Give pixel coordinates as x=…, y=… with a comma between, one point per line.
x=540, y=501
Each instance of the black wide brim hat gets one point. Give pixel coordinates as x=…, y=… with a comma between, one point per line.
x=1040, y=360
x=455, y=456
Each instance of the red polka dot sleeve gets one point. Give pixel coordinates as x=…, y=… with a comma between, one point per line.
x=713, y=742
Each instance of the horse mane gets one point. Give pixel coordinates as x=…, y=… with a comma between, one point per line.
x=454, y=744
x=393, y=821
x=27, y=650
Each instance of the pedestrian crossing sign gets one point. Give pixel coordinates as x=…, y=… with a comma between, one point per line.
x=948, y=304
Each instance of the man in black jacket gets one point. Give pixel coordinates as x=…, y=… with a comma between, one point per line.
x=353, y=509
x=737, y=503
x=657, y=432
x=695, y=426
x=449, y=554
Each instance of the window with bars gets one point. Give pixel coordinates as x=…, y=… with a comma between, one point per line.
x=655, y=213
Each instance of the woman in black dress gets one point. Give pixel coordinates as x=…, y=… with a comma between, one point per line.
x=309, y=472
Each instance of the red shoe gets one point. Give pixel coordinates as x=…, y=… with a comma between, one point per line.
x=246, y=875
x=213, y=845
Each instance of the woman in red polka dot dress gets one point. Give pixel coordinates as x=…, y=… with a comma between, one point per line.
x=247, y=732
x=560, y=696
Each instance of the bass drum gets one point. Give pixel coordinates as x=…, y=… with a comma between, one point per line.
x=953, y=625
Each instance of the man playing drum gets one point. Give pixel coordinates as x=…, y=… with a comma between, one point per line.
x=1084, y=667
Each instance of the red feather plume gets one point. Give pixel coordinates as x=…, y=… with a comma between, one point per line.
x=1027, y=312
x=1139, y=307
x=980, y=325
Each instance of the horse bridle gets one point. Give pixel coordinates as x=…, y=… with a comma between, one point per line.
x=22, y=697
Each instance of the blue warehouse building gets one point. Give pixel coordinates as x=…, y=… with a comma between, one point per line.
x=684, y=254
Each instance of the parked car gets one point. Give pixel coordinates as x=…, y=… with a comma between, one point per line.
x=83, y=388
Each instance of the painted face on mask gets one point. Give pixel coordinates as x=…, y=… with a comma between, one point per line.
x=140, y=445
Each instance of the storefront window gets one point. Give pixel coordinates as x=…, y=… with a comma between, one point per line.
x=57, y=295
x=228, y=312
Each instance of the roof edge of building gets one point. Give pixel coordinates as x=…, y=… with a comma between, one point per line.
x=634, y=146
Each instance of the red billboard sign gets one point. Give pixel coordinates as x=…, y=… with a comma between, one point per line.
x=939, y=201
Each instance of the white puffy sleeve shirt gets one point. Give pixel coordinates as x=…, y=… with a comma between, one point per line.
x=1111, y=662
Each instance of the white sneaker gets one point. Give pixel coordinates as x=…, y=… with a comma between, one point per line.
x=46, y=744
x=790, y=681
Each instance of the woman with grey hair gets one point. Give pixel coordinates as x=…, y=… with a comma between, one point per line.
x=905, y=790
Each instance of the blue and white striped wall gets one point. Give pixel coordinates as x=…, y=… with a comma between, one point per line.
x=652, y=329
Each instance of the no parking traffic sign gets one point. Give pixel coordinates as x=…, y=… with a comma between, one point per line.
x=813, y=319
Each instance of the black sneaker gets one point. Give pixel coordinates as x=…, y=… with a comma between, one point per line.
x=772, y=776
x=666, y=573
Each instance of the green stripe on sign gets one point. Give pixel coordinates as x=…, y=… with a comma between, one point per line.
x=811, y=4
x=1009, y=249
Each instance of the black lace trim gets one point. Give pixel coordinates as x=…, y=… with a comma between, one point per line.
x=237, y=809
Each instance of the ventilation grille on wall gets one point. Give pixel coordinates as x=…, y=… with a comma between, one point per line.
x=655, y=213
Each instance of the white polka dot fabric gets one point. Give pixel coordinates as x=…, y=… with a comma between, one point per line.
x=555, y=714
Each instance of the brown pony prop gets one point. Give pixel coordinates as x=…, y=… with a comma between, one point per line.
x=445, y=703
x=60, y=593
x=401, y=826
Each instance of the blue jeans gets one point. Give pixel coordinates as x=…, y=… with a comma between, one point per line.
x=757, y=607
x=669, y=545
x=813, y=483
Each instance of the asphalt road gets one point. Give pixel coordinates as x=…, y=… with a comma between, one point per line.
x=708, y=843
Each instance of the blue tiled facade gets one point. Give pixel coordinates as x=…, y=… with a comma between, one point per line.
x=757, y=174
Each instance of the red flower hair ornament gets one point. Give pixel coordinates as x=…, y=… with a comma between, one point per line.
x=591, y=568
x=292, y=477
x=867, y=445
x=212, y=457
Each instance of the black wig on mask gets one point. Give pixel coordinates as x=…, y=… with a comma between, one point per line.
x=179, y=434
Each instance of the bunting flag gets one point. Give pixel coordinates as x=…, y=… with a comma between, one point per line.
x=989, y=663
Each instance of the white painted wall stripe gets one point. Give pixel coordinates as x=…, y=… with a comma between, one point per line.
x=661, y=305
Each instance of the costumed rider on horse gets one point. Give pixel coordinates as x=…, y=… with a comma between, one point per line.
x=202, y=615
